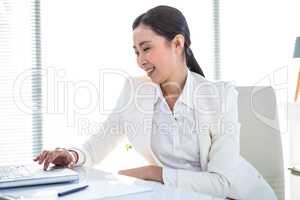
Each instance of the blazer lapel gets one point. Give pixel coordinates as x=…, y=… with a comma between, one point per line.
x=145, y=99
x=200, y=104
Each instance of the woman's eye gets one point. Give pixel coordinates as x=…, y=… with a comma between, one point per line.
x=146, y=49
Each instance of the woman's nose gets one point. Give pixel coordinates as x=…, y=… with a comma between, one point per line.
x=142, y=62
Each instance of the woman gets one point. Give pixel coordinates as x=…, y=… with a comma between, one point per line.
x=184, y=125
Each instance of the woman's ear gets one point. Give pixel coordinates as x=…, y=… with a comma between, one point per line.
x=178, y=42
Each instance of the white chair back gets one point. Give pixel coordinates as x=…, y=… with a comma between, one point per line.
x=260, y=139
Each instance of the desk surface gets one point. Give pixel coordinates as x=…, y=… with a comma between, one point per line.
x=96, y=180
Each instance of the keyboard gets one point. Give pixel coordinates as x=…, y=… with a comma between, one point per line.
x=28, y=175
x=13, y=172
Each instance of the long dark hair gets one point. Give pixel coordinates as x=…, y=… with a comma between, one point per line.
x=167, y=21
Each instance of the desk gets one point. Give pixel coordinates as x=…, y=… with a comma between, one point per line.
x=96, y=179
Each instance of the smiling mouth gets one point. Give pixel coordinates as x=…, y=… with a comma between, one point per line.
x=150, y=71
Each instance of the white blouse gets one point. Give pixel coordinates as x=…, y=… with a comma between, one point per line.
x=174, y=140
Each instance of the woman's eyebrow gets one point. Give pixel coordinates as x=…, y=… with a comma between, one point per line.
x=141, y=43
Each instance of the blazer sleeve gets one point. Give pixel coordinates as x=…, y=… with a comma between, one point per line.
x=223, y=156
x=110, y=132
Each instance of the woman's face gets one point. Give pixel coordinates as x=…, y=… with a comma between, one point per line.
x=155, y=55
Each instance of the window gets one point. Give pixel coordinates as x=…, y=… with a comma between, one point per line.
x=20, y=91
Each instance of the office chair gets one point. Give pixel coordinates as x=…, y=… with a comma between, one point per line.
x=260, y=138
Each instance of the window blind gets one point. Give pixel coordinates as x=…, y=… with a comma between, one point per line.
x=20, y=81
x=216, y=43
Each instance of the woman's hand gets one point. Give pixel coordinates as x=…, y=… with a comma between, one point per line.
x=151, y=172
x=59, y=156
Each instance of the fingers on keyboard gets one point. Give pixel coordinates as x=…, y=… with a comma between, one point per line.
x=49, y=159
x=43, y=156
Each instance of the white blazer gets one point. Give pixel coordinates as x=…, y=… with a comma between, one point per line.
x=224, y=172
